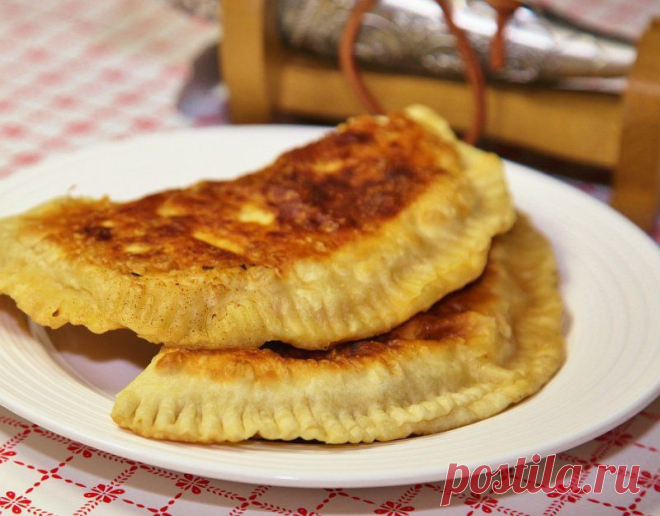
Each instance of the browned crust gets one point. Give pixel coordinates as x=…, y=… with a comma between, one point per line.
x=319, y=197
x=272, y=256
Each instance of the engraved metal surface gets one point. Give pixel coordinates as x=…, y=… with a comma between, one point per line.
x=411, y=36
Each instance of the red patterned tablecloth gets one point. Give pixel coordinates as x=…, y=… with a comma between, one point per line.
x=75, y=72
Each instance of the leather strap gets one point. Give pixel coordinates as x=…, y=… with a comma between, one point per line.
x=504, y=10
x=473, y=71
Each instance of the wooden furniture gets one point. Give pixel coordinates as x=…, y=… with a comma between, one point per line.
x=619, y=132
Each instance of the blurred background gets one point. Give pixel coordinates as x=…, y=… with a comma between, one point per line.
x=74, y=72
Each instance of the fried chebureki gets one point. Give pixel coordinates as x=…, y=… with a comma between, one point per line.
x=338, y=240
x=470, y=356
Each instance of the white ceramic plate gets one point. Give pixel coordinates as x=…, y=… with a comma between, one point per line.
x=610, y=280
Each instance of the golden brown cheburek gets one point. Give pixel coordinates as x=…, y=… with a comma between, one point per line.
x=471, y=355
x=341, y=239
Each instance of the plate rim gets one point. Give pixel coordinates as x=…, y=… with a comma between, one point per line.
x=248, y=475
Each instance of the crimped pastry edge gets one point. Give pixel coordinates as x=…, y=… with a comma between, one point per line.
x=404, y=268
x=419, y=388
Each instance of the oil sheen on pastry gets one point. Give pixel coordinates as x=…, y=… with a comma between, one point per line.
x=341, y=239
x=470, y=356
